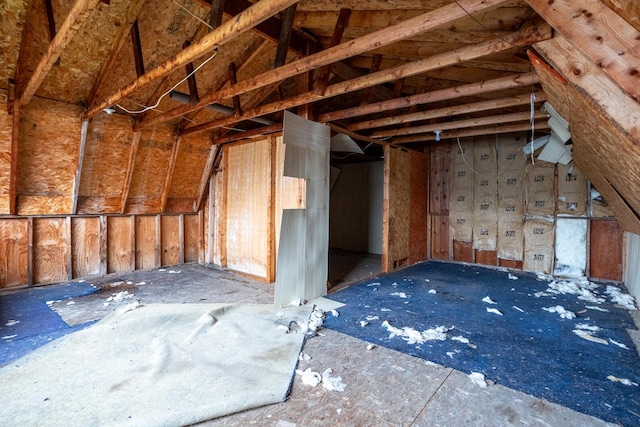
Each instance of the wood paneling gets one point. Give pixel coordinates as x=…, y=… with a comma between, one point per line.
x=605, y=250
x=48, y=156
x=14, y=247
x=192, y=238
x=440, y=241
x=418, y=233
x=396, y=208
x=190, y=164
x=440, y=179
x=85, y=246
x=462, y=251
x=509, y=263
x=171, y=234
x=50, y=250
x=486, y=257
x=147, y=242
x=120, y=244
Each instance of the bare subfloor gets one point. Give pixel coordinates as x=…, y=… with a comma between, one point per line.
x=383, y=387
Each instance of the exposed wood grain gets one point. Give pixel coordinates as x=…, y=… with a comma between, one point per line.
x=103, y=244
x=146, y=242
x=85, y=246
x=169, y=173
x=374, y=40
x=6, y=154
x=605, y=250
x=396, y=209
x=49, y=250
x=225, y=32
x=440, y=180
x=120, y=247
x=486, y=257
x=463, y=251
x=600, y=34
x=341, y=24
x=440, y=241
x=13, y=252
x=508, y=263
x=171, y=239
x=471, y=89
x=418, y=237
x=192, y=238
x=78, y=14
x=78, y=176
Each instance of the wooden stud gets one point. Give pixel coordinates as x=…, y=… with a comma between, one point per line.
x=51, y=23
x=223, y=210
x=137, y=49
x=224, y=33
x=116, y=46
x=169, y=175
x=386, y=36
x=158, y=246
x=68, y=258
x=13, y=174
x=135, y=141
x=77, y=16
x=214, y=151
x=253, y=133
x=285, y=35
x=191, y=79
x=26, y=43
x=375, y=66
x=132, y=242
x=103, y=245
x=216, y=13
x=211, y=220
x=232, y=80
x=338, y=31
x=181, y=237
x=471, y=89
x=200, y=236
x=30, y=257
x=272, y=256
x=78, y=175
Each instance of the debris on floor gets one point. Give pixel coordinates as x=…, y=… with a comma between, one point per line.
x=622, y=380
x=617, y=297
x=494, y=311
x=488, y=300
x=413, y=336
x=478, y=379
x=563, y=312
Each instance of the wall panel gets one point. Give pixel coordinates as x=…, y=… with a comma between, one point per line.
x=171, y=248
x=606, y=250
x=147, y=242
x=397, y=208
x=192, y=238
x=85, y=244
x=120, y=244
x=14, y=252
x=50, y=250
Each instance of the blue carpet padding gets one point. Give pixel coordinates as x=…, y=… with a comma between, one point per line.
x=533, y=350
x=26, y=322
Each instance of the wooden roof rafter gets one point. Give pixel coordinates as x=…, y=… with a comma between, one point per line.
x=389, y=35
x=530, y=34
x=245, y=21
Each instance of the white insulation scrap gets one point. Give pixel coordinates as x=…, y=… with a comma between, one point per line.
x=518, y=308
x=335, y=313
x=563, y=312
x=175, y=271
x=120, y=296
x=619, y=344
x=587, y=327
x=399, y=294
x=129, y=307
x=478, y=379
x=363, y=323
x=304, y=357
x=494, y=311
x=582, y=288
x=376, y=284
x=370, y=347
x=595, y=307
x=11, y=322
x=589, y=336
x=622, y=380
x=370, y=318
x=488, y=300
x=412, y=336
x=332, y=383
x=433, y=291
x=461, y=339
x=513, y=276
x=617, y=297
x=8, y=337
x=309, y=377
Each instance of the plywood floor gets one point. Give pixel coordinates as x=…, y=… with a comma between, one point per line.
x=383, y=387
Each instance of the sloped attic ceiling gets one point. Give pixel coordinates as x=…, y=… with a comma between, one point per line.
x=383, y=72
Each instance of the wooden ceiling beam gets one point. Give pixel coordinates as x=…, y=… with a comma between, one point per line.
x=233, y=80
x=525, y=36
x=116, y=46
x=471, y=89
x=601, y=34
x=77, y=16
x=338, y=31
x=383, y=37
x=458, y=124
x=285, y=36
x=137, y=49
x=455, y=110
x=245, y=21
x=480, y=131
x=375, y=67
x=216, y=13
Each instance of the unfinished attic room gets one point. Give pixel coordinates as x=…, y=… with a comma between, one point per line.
x=319, y=212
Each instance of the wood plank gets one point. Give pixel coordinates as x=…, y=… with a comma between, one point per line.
x=135, y=142
x=191, y=238
x=510, y=263
x=486, y=257
x=475, y=131
x=418, y=229
x=463, y=251
x=77, y=16
x=522, y=37
x=169, y=173
x=600, y=34
x=511, y=101
x=471, y=89
x=146, y=242
x=68, y=255
x=13, y=252
x=285, y=35
x=606, y=243
x=246, y=20
x=137, y=48
x=120, y=248
x=103, y=251
x=440, y=179
x=396, y=209
x=13, y=156
x=440, y=241
x=49, y=250
x=171, y=241
x=382, y=37
x=341, y=24
x=85, y=246
x=6, y=142
x=78, y=176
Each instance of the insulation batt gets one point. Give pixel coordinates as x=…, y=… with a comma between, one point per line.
x=564, y=313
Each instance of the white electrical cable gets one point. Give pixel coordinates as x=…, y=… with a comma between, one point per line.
x=174, y=86
x=193, y=15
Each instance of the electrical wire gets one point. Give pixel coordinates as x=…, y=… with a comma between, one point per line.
x=151, y=107
x=193, y=15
